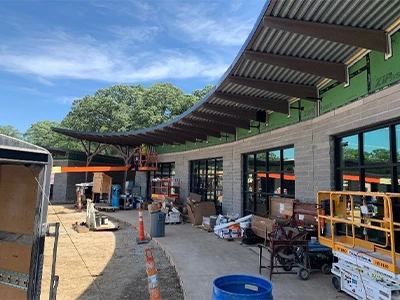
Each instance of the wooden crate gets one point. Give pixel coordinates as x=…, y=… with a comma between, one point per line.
x=102, y=184
x=281, y=208
x=262, y=226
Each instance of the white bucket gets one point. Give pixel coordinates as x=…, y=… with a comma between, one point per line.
x=104, y=220
x=243, y=226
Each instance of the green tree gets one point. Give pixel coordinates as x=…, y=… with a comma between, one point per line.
x=11, y=131
x=200, y=94
x=377, y=156
x=40, y=134
x=109, y=110
x=121, y=108
x=159, y=103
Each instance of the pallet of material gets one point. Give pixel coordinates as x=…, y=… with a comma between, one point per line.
x=106, y=207
x=207, y=228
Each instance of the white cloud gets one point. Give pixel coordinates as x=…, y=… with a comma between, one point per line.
x=24, y=89
x=66, y=99
x=207, y=22
x=212, y=32
x=60, y=55
x=134, y=52
x=134, y=33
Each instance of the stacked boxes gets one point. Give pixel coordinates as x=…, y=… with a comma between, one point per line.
x=209, y=222
x=232, y=232
x=198, y=209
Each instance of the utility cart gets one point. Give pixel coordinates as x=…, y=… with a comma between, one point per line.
x=361, y=229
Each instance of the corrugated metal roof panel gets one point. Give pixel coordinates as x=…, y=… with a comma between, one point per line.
x=294, y=47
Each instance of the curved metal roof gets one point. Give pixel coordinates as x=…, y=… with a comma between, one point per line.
x=294, y=48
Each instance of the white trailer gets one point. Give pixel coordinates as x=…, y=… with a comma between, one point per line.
x=25, y=171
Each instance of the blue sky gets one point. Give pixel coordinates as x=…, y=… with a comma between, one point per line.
x=52, y=52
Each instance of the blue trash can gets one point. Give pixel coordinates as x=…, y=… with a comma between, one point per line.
x=241, y=287
x=115, y=195
x=157, y=224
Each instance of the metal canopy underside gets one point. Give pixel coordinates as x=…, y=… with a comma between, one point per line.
x=295, y=47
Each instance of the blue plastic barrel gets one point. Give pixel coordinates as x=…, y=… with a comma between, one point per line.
x=115, y=195
x=241, y=287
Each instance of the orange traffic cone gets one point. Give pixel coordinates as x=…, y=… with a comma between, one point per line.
x=142, y=239
x=154, y=288
x=79, y=206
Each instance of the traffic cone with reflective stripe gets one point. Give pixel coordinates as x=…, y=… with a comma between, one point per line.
x=79, y=206
x=154, y=288
x=142, y=239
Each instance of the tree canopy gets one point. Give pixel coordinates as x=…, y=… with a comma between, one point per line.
x=10, y=131
x=124, y=108
x=119, y=108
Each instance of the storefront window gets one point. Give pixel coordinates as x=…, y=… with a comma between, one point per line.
x=288, y=160
x=364, y=161
x=350, y=180
x=378, y=180
x=274, y=160
x=261, y=162
x=376, y=146
x=265, y=174
x=206, y=179
x=349, y=151
x=397, y=134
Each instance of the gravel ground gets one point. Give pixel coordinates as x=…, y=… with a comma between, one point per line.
x=103, y=264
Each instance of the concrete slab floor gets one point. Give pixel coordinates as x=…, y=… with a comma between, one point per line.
x=200, y=257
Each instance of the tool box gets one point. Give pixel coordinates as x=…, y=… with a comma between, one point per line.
x=320, y=257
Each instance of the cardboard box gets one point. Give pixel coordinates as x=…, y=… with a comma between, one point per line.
x=194, y=197
x=172, y=217
x=198, y=210
x=209, y=222
x=281, y=207
x=262, y=226
x=152, y=207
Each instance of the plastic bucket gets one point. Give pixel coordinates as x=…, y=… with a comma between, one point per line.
x=243, y=226
x=104, y=220
x=241, y=287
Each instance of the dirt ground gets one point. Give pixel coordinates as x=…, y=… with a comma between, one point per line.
x=103, y=264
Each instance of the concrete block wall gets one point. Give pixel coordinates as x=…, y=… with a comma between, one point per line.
x=313, y=142
x=64, y=190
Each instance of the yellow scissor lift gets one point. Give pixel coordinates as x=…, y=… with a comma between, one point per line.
x=360, y=229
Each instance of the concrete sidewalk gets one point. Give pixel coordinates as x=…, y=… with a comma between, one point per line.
x=199, y=257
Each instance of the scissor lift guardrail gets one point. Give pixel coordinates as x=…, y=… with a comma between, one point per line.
x=360, y=229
